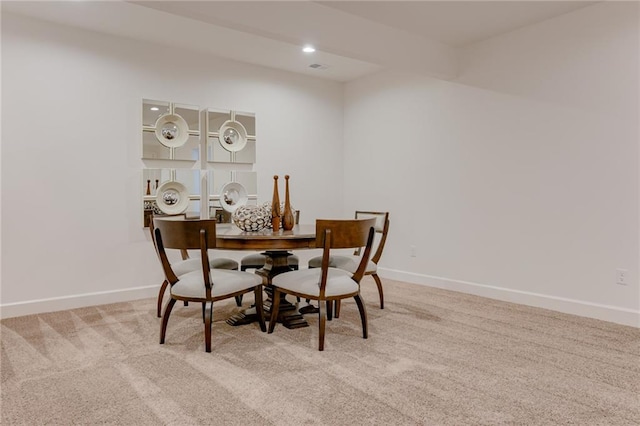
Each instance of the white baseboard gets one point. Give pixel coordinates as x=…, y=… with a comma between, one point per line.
x=30, y=307
x=569, y=306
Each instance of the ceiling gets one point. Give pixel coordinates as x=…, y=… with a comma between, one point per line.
x=353, y=38
x=456, y=23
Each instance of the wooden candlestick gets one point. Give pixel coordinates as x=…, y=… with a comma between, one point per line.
x=287, y=216
x=275, y=206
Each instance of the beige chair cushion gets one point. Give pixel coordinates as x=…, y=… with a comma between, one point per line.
x=193, y=264
x=184, y=266
x=224, y=281
x=258, y=260
x=348, y=263
x=223, y=263
x=307, y=281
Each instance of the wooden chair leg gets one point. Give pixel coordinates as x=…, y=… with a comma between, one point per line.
x=363, y=316
x=275, y=307
x=329, y=304
x=186, y=303
x=163, y=287
x=165, y=319
x=380, y=292
x=207, y=325
x=239, y=300
x=259, y=308
x=204, y=311
x=336, y=314
x=322, y=316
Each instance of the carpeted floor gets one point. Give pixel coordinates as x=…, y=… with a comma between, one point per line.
x=433, y=357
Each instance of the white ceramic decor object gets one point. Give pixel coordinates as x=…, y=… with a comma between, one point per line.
x=232, y=196
x=172, y=130
x=172, y=197
x=232, y=136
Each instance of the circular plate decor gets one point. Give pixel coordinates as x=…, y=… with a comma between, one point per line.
x=172, y=197
x=232, y=136
x=232, y=196
x=172, y=130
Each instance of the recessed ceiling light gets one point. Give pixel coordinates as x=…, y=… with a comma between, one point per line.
x=154, y=109
x=308, y=49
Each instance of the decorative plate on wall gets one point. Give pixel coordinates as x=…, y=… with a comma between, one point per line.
x=172, y=130
x=232, y=136
x=232, y=196
x=172, y=197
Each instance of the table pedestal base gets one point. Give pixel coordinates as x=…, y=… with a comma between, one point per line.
x=243, y=317
x=276, y=263
x=287, y=313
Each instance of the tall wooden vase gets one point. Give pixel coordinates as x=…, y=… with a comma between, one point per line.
x=287, y=216
x=275, y=206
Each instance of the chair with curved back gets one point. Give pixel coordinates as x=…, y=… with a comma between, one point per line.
x=350, y=263
x=326, y=284
x=186, y=264
x=204, y=285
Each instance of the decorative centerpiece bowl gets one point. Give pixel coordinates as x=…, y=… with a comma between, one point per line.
x=251, y=218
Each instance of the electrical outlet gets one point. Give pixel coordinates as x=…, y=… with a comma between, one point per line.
x=413, y=251
x=621, y=276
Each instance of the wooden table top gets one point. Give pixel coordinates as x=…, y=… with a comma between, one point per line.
x=230, y=237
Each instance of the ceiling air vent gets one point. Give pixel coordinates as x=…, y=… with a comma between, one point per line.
x=319, y=66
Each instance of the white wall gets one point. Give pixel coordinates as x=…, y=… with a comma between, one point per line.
x=524, y=188
x=587, y=59
x=71, y=149
x=519, y=181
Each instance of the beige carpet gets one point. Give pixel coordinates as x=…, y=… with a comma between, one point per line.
x=433, y=357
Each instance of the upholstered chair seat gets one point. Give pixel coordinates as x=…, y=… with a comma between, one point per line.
x=306, y=281
x=191, y=284
x=348, y=263
x=192, y=264
x=187, y=265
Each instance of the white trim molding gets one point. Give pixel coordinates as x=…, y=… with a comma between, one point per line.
x=40, y=306
x=569, y=306
x=609, y=313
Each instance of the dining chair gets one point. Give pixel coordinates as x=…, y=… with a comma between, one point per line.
x=187, y=264
x=327, y=284
x=205, y=285
x=351, y=262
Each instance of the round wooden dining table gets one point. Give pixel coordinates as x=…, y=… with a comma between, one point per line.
x=276, y=246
